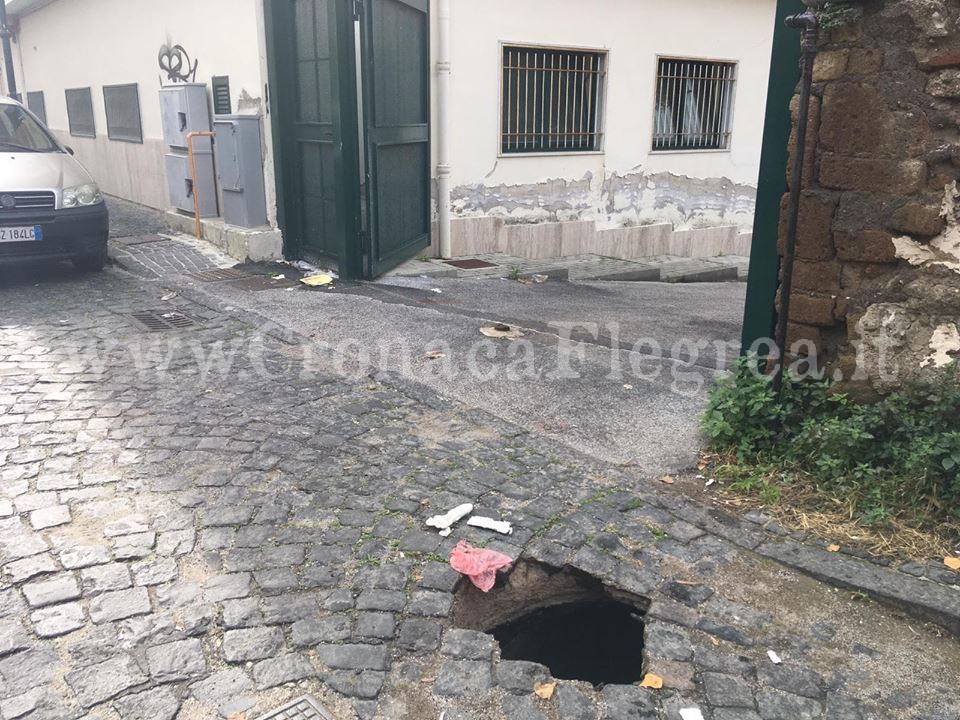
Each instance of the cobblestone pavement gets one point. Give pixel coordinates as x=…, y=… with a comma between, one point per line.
x=183, y=540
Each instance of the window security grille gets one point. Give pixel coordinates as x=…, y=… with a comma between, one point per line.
x=222, y=104
x=122, y=104
x=37, y=105
x=80, y=112
x=551, y=100
x=694, y=105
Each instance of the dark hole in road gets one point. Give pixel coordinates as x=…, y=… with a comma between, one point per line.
x=563, y=618
x=600, y=641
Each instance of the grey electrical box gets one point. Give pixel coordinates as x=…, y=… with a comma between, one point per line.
x=240, y=170
x=181, y=185
x=183, y=110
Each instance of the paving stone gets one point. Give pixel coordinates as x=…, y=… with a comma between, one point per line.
x=312, y=631
x=288, y=608
x=103, y=681
x=625, y=702
x=519, y=676
x=668, y=643
x=468, y=645
x=277, y=580
x=251, y=643
x=126, y=526
x=778, y=705
x=21, y=570
x=221, y=686
x=83, y=556
x=119, y=605
x=176, y=661
x=430, y=604
x=339, y=600
x=418, y=636
x=156, y=704
x=244, y=612
x=364, y=684
x=30, y=668
x=727, y=690
x=282, y=669
x=49, y=517
x=155, y=572
x=227, y=587
x=573, y=704
x=134, y=547
x=20, y=705
x=13, y=637
x=736, y=714
x=57, y=589
x=353, y=657
x=376, y=625
x=791, y=679
x=387, y=600
x=50, y=622
x=104, y=578
x=463, y=677
x=521, y=708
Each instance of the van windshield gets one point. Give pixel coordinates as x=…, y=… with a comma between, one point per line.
x=19, y=132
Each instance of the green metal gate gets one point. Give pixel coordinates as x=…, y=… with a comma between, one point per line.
x=325, y=211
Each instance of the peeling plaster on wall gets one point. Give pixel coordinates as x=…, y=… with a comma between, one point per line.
x=247, y=104
x=944, y=249
x=945, y=344
x=616, y=200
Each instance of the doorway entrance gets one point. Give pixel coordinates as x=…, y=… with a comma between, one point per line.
x=351, y=119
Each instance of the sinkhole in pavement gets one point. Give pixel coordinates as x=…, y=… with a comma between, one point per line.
x=562, y=618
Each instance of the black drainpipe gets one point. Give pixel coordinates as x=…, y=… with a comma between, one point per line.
x=810, y=25
x=7, y=50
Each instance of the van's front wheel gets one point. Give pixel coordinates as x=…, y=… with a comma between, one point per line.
x=94, y=262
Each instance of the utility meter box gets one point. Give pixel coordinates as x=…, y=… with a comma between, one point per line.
x=183, y=110
x=240, y=170
x=181, y=186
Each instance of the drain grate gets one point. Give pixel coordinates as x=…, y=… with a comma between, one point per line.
x=219, y=275
x=306, y=708
x=470, y=264
x=155, y=321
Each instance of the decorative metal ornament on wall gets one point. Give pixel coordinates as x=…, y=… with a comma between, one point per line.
x=175, y=62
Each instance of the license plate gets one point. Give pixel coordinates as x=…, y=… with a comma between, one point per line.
x=21, y=234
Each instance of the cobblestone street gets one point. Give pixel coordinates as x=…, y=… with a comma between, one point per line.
x=199, y=521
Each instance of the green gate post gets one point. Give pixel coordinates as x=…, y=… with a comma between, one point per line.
x=760, y=314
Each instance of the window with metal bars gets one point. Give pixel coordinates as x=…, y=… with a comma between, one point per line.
x=122, y=105
x=80, y=112
x=694, y=104
x=37, y=105
x=551, y=100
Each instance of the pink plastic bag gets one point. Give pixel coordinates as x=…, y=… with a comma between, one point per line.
x=479, y=565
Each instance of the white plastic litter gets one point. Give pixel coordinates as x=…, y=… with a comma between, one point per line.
x=774, y=658
x=451, y=518
x=691, y=714
x=438, y=291
x=500, y=526
x=446, y=533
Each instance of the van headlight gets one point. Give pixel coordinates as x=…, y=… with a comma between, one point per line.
x=81, y=195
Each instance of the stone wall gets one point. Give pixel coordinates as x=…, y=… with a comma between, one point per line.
x=878, y=257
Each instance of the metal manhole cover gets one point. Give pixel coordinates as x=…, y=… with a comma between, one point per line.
x=141, y=240
x=155, y=320
x=219, y=275
x=470, y=264
x=306, y=708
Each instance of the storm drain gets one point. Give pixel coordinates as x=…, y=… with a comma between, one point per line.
x=306, y=708
x=156, y=321
x=562, y=618
x=219, y=275
x=470, y=264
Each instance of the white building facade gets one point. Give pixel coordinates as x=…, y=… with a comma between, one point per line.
x=619, y=127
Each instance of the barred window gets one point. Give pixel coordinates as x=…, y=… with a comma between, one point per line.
x=80, y=112
x=551, y=100
x=37, y=105
x=122, y=104
x=694, y=104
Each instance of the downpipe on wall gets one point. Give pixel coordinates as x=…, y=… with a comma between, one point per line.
x=443, y=125
x=5, y=35
x=809, y=25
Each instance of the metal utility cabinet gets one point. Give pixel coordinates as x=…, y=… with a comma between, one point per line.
x=240, y=170
x=184, y=110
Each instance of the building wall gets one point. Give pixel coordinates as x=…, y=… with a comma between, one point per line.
x=80, y=43
x=877, y=281
x=625, y=184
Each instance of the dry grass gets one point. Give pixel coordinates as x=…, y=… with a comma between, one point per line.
x=835, y=522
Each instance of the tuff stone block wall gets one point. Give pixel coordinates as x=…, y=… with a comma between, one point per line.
x=877, y=279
